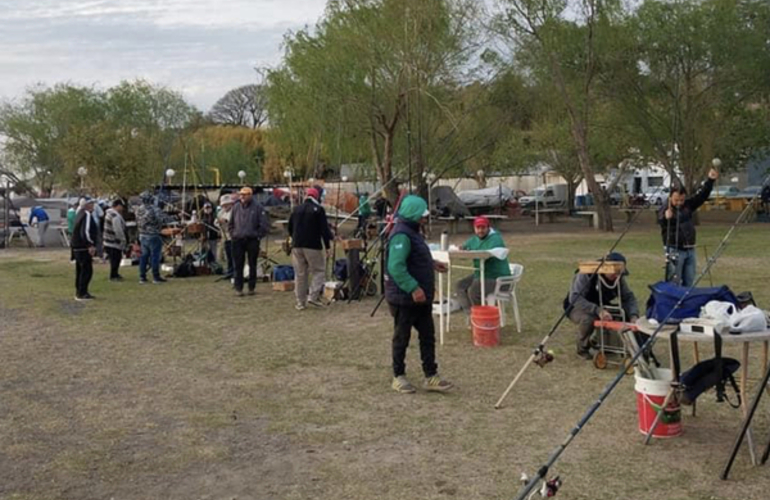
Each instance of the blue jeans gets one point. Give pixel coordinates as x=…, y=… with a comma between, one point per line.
x=151, y=247
x=680, y=266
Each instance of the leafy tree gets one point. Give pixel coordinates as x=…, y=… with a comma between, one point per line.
x=346, y=89
x=568, y=52
x=245, y=106
x=695, y=83
x=37, y=127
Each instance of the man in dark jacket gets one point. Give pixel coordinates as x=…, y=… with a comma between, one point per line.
x=678, y=230
x=310, y=234
x=409, y=290
x=149, y=221
x=583, y=305
x=84, y=238
x=248, y=225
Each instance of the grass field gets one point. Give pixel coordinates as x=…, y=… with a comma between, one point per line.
x=183, y=391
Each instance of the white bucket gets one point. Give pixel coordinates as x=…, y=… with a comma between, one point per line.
x=650, y=395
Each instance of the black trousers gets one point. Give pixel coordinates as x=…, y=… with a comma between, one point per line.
x=84, y=271
x=243, y=249
x=404, y=319
x=229, y=256
x=114, y=255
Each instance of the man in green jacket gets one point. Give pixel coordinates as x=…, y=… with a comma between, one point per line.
x=469, y=288
x=364, y=212
x=409, y=290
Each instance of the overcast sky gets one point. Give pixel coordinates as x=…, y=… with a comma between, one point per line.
x=202, y=48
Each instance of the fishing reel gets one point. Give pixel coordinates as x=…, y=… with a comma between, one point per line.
x=542, y=357
x=549, y=488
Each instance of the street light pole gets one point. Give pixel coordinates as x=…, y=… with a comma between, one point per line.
x=82, y=172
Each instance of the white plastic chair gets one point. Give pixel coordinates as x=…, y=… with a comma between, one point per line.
x=505, y=291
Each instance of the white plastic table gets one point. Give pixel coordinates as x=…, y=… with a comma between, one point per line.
x=744, y=339
x=446, y=257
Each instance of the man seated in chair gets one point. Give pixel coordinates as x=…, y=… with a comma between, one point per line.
x=582, y=302
x=469, y=288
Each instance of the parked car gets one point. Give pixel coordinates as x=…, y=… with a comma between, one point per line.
x=724, y=192
x=749, y=192
x=657, y=195
x=551, y=196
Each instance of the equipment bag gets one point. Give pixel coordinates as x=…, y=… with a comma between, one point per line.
x=283, y=273
x=715, y=372
x=665, y=296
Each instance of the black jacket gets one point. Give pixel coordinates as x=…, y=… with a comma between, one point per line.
x=683, y=236
x=309, y=227
x=249, y=221
x=85, y=232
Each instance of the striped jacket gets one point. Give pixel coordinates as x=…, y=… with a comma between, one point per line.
x=114, y=230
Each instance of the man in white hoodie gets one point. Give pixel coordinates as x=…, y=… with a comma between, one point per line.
x=115, y=239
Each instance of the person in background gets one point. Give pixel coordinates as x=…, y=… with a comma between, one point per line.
x=98, y=215
x=381, y=206
x=582, y=302
x=149, y=221
x=223, y=223
x=409, y=290
x=115, y=239
x=469, y=288
x=84, y=247
x=39, y=218
x=248, y=225
x=310, y=234
x=210, y=236
x=71, y=215
x=678, y=230
x=364, y=212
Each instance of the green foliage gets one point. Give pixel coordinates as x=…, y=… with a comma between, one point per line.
x=348, y=91
x=123, y=136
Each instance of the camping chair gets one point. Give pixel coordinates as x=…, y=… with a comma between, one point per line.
x=505, y=291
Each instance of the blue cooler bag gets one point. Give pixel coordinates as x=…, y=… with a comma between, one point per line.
x=283, y=273
x=665, y=296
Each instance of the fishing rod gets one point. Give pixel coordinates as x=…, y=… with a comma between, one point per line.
x=540, y=355
x=543, y=470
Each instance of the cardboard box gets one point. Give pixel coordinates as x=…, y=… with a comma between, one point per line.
x=352, y=244
x=332, y=290
x=283, y=286
x=608, y=267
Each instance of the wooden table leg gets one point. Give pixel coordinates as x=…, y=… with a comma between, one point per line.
x=696, y=355
x=744, y=392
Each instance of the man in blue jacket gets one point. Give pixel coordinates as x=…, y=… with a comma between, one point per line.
x=39, y=215
x=409, y=290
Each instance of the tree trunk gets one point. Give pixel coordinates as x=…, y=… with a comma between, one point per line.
x=386, y=169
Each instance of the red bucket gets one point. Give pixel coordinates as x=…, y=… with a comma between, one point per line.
x=485, y=321
x=650, y=395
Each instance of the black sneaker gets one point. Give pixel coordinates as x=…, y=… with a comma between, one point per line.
x=158, y=281
x=117, y=279
x=239, y=293
x=252, y=292
x=142, y=281
x=585, y=354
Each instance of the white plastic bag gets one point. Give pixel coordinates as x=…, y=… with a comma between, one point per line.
x=720, y=311
x=748, y=319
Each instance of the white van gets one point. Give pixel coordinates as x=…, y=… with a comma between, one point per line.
x=549, y=196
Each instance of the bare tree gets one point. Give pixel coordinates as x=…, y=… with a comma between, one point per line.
x=245, y=106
